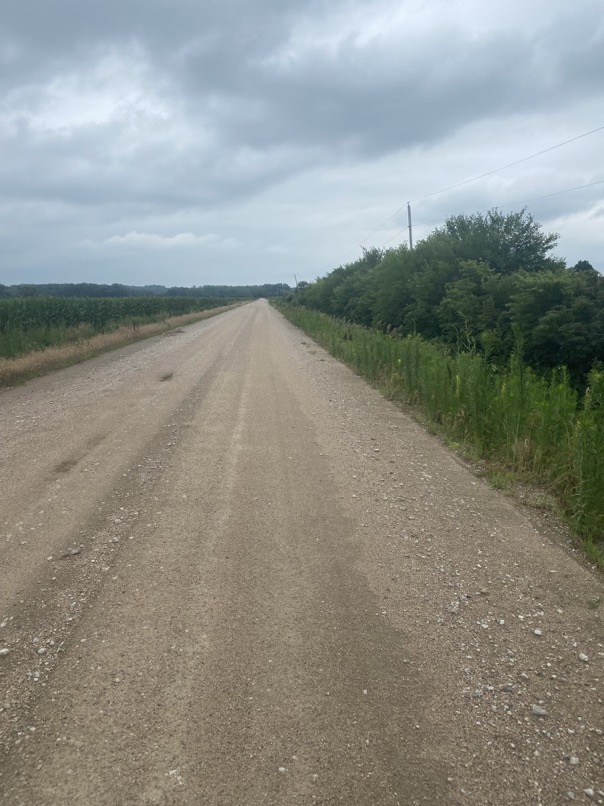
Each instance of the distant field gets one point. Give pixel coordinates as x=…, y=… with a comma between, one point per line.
x=31, y=324
x=40, y=335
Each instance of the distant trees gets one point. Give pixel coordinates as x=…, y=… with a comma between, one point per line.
x=80, y=290
x=116, y=290
x=267, y=290
x=482, y=282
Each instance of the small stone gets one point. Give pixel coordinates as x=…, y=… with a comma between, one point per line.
x=42, y=650
x=538, y=710
x=282, y=769
x=537, y=631
x=589, y=792
x=570, y=795
x=4, y=651
x=583, y=657
x=574, y=761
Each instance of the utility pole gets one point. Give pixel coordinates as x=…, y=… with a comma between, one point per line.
x=296, y=279
x=410, y=227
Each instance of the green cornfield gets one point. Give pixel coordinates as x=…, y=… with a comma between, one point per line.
x=34, y=323
x=534, y=426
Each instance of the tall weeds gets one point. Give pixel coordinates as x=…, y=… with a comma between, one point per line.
x=527, y=423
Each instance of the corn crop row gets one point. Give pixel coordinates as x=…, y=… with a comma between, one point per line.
x=37, y=322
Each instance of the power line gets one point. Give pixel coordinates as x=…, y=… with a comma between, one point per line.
x=482, y=176
x=500, y=207
x=342, y=257
x=549, y=195
x=386, y=220
x=509, y=165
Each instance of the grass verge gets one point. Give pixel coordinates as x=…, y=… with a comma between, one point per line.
x=528, y=430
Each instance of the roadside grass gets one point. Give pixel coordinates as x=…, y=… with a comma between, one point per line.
x=501, y=479
x=81, y=343
x=528, y=429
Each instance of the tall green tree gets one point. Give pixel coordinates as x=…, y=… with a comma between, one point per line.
x=506, y=242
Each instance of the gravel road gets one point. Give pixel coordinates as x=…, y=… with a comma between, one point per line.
x=231, y=573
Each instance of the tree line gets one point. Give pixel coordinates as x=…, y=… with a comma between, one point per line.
x=484, y=283
x=117, y=290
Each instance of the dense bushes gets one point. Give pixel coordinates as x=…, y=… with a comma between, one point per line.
x=484, y=283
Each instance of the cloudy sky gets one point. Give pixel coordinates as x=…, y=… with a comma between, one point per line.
x=186, y=142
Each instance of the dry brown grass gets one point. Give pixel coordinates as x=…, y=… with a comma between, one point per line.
x=41, y=362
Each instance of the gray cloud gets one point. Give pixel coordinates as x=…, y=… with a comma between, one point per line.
x=144, y=113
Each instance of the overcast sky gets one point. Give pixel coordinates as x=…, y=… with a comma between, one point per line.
x=187, y=142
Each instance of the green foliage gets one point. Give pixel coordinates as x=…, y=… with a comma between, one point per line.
x=33, y=323
x=507, y=243
x=472, y=313
x=588, y=501
x=561, y=316
x=511, y=415
x=475, y=284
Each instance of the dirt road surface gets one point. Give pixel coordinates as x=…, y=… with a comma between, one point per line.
x=231, y=573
